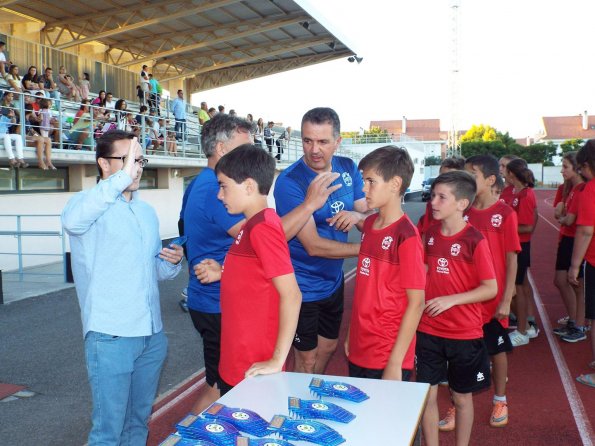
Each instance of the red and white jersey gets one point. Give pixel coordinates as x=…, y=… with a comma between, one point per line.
x=456, y=264
x=586, y=216
x=525, y=206
x=507, y=195
x=390, y=262
x=498, y=224
x=249, y=300
x=572, y=203
x=559, y=198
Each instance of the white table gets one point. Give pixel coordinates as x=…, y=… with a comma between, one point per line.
x=389, y=417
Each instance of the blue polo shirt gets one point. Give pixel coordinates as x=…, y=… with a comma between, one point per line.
x=206, y=222
x=318, y=277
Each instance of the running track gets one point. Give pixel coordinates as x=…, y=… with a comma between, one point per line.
x=546, y=404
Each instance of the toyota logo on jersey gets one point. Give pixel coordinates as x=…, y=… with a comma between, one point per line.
x=337, y=207
x=365, y=268
x=387, y=242
x=455, y=249
x=347, y=179
x=442, y=267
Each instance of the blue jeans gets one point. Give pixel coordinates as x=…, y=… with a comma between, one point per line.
x=180, y=128
x=123, y=374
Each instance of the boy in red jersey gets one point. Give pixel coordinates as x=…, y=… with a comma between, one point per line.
x=447, y=164
x=506, y=194
x=460, y=275
x=584, y=245
x=498, y=224
x=260, y=298
x=389, y=289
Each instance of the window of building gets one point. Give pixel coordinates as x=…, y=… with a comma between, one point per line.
x=33, y=180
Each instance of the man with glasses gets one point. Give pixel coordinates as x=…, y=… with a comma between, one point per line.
x=117, y=260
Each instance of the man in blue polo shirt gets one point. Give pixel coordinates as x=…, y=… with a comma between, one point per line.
x=211, y=231
x=318, y=250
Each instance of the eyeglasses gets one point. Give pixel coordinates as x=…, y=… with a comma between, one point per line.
x=142, y=161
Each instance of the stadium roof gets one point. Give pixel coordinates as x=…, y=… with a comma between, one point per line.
x=212, y=42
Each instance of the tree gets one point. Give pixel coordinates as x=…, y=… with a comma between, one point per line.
x=484, y=139
x=538, y=153
x=479, y=133
x=571, y=145
x=496, y=148
x=432, y=161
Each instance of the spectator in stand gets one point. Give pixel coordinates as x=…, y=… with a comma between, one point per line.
x=145, y=85
x=253, y=129
x=49, y=86
x=85, y=86
x=31, y=80
x=212, y=112
x=143, y=110
x=168, y=138
x=3, y=62
x=281, y=141
x=5, y=123
x=110, y=104
x=268, y=136
x=13, y=79
x=154, y=98
x=46, y=117
x=84, y=108
x=140, y=95
x=221, y=109
x=8, y=108
x=81, y=133
x=43, y=145
x=203, y=113
x=233, y=113
x=260, y=132
x=178, y=108
x=100, y=100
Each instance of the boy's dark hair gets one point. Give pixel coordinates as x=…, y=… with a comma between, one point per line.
x=324, y=115
x=249, y=161
x=498, y=184
x=389, y=162
x=105, y=145
x=143, y=108
x=586, y=155
x=453, y=163
x=520, y=169
x=220, y=128
x=44, y=103
x=487, y=165
x=461, y=183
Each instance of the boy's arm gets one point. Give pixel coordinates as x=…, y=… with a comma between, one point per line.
x=486, y=290
x=409, y=323
x=289, y=310
x=582, y=239
x=208, y=271
x=503, y=309
x=317, y=246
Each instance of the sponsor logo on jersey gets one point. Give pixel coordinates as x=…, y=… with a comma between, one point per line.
x=455, y=249
x=388, y=240
x=496, y=220
x=347, y=179
x=442, y=267
x=365, y=268
x=515, y=202
x=337, y=206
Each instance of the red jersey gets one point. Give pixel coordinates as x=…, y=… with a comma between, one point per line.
x=586, y=216
x=249, y=300
x=559, y=198
x=390, y=262
x=456, y=264
x=525, y=206
x=498, y=224
x=507, y=195
x=571, y=205
x=426, y=220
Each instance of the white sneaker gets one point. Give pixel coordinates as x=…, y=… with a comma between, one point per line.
x=532, y=330
x=518, y=339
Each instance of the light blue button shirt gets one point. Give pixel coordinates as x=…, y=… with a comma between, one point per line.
x=113, y=244
x=178, y=108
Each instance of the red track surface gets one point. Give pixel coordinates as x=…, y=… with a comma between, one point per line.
x=546, y=404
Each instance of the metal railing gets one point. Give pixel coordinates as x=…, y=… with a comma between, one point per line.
x=23, y=227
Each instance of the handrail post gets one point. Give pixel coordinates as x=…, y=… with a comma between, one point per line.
x=22, y=120
x=19, y=248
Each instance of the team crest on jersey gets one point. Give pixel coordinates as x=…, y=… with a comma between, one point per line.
x=388, y=240
x=466, y=218
x=455, y=249
x=337, y=206
x=239, y=237
x=431, y=241
x=496, y=220
x=442, y=267
x=365, y=268
x=347, y=179
x=515, y=202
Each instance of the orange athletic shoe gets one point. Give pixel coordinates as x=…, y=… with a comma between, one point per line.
x=447, y=424
x=499, y=416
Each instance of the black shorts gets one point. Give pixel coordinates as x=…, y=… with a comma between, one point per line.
x=355, y=371
x=464, y=362
x=319, y=318
x=496, y=338
x=564, y=255
x=590, y=292
x=223, y=386
x=523, y=262
x=209, y=327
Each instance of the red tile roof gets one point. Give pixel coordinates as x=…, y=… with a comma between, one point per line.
x=567, y=127
x=421, y=129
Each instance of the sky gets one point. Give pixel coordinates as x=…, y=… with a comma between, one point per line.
x=519, y=60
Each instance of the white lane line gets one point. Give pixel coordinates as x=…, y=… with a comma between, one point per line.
x=576, y=405
x=557, y=228
x=178, y=386
x=162, y=410
x=349, y=275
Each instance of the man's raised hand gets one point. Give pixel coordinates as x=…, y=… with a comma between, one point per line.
x=319, y=190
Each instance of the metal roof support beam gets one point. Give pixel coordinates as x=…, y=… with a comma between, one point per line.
x=246, y=60
x=195, y=46
x=154, y=21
